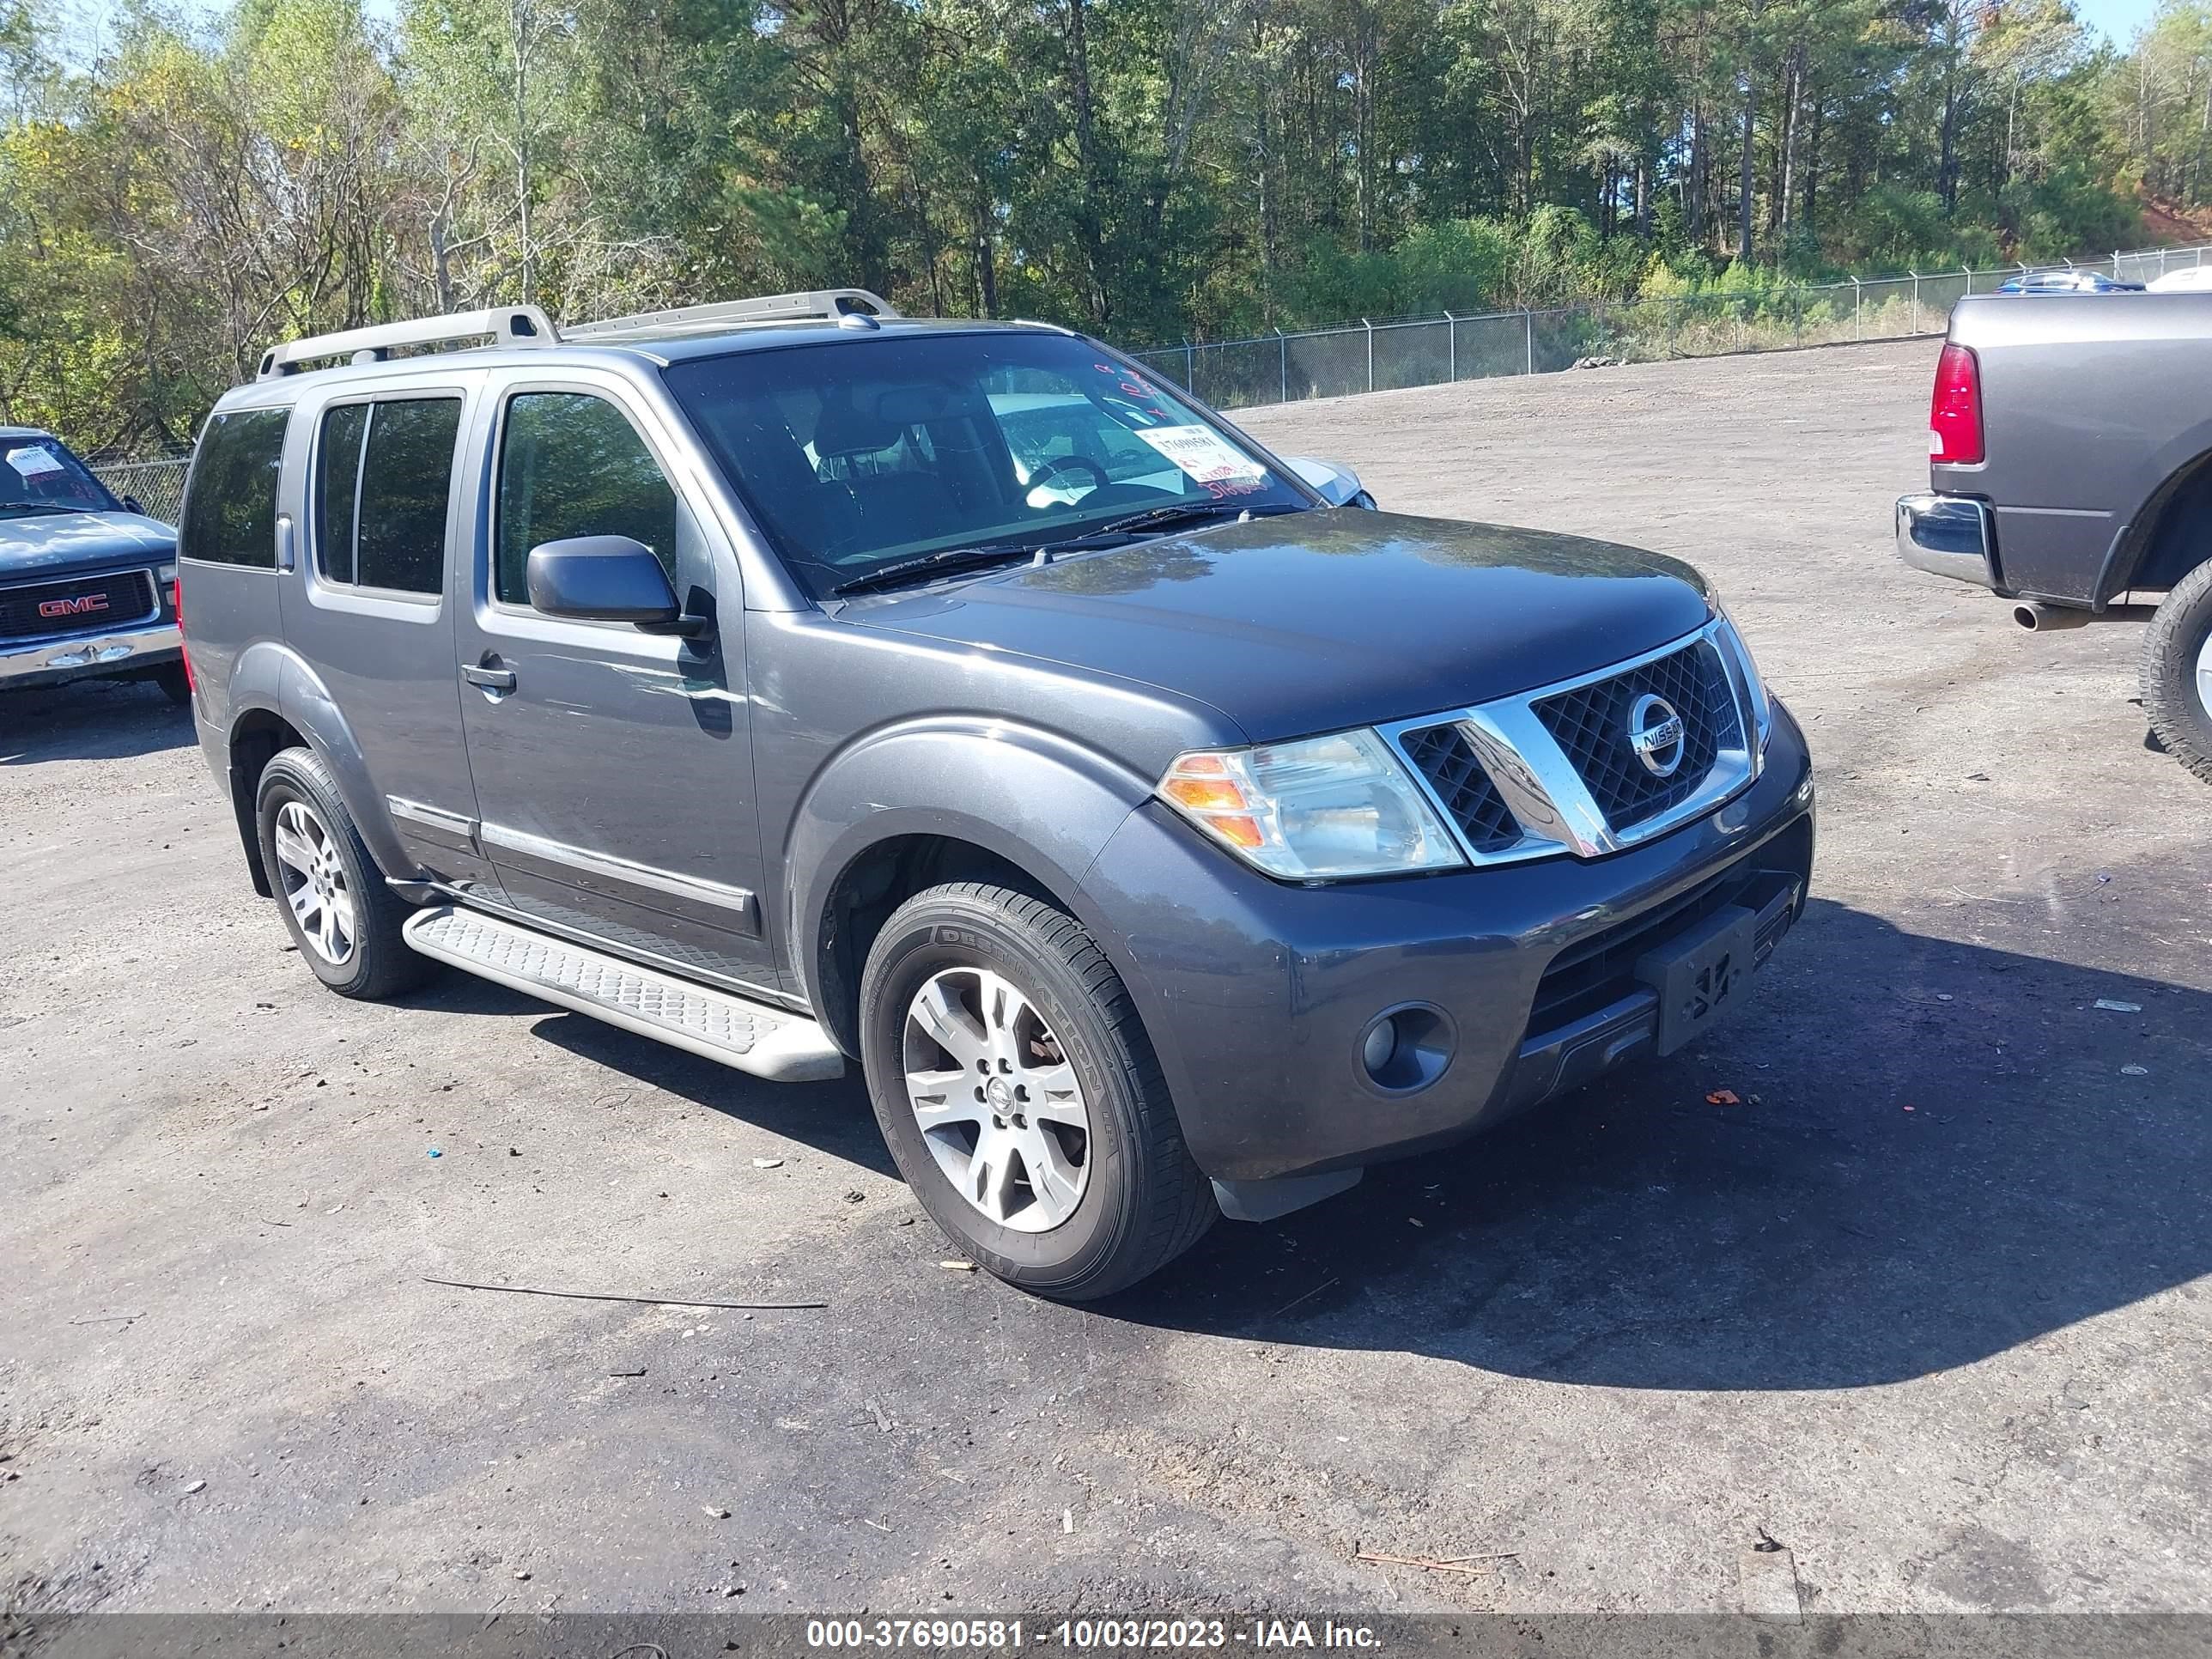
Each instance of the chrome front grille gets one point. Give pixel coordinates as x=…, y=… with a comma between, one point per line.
x=76, y=605
x=1442, y=755
x=1558, y=769
x=1591, y=725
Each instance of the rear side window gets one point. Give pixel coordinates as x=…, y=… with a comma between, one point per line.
x=337, y=479
x=230, y=506
x=572, y=465
x=384, y=477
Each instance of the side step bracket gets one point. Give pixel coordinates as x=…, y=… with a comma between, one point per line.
x=752, y=1036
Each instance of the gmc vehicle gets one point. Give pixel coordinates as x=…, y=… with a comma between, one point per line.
x=807, y=686
x=2070, y=455
x=87, y=582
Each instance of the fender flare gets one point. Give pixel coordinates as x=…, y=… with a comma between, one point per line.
x=1035, y=798
x=2178, y=464
x=269, y=677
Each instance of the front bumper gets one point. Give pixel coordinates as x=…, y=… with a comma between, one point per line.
x=1257, y=994
x=121, y=650
x=1952, y=536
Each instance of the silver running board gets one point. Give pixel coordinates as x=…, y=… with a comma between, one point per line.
x=768, y=1042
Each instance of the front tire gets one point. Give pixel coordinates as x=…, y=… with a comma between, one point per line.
x=2177, y=672
x=1020, y=1096
x=339, y=910
x=174, y=684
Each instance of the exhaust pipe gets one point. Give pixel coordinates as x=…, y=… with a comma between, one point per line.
x=2048, y=618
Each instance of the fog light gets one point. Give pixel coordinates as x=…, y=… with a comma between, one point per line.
x=1406, y=1049
x=1381, y=1043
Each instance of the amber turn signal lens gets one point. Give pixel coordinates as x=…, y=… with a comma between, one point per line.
x=1240, y=832
x=1206, y=795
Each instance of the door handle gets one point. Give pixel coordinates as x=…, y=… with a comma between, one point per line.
x=492, y=680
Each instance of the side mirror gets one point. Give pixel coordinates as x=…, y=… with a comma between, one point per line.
x=1338, y=484
x=602, y=579
x=131, y=504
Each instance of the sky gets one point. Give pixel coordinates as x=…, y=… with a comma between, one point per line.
x=2118, y=19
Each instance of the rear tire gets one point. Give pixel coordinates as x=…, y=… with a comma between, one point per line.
x=1045, y=1098
x=340, y=914
x=2177, y=672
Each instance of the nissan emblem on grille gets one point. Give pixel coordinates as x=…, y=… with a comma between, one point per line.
x=1655, y=732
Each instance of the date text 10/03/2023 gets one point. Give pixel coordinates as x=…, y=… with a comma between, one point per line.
x=1087, y=1635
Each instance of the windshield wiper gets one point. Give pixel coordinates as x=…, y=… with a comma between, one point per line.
x=37, y=506
x=1117, y=532
x=1180, y=513
x=952, y=560
x=945, y=562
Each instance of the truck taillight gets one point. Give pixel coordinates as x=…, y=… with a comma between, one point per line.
x=183, y=653
x=1954, y=415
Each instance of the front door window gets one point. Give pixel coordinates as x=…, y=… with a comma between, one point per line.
x=572, y=465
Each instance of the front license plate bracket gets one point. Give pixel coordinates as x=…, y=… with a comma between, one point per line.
x=1700, y=974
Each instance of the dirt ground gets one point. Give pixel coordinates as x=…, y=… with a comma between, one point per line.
x=1928, y=1308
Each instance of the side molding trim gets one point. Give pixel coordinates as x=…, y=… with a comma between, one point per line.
x=434, y=824
x=583, y=868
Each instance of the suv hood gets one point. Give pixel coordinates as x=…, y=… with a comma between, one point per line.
x=1315, y=621
x=56, y=543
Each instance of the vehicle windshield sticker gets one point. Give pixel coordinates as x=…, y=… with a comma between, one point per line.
x=1201, y=452
x=33, y=462
x=1131, y=383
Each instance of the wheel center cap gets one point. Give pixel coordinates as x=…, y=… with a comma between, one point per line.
x=1000, y=1094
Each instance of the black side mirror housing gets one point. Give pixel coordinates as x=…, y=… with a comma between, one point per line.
x=131, y=504
x=603, y=578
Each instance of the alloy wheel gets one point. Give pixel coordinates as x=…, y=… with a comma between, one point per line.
x=315, y=882
x=999, y=1107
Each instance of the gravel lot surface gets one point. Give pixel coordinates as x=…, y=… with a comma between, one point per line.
x=1929, y=1307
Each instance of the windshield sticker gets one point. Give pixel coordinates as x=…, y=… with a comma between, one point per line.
x=1201, y=452
x=1132, y=385
x=34, y=463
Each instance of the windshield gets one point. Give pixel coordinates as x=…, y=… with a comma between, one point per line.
x=862, y=455
x=40, y=472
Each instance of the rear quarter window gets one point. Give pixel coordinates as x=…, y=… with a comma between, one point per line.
x=230, y=502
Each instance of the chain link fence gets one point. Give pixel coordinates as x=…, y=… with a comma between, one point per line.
x=1376, y=356
x=158, y=487
x=1372, y=356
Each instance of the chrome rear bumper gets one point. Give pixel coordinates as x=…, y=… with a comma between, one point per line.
x=1947, y=535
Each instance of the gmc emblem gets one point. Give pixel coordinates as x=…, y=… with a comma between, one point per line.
x=78, y=607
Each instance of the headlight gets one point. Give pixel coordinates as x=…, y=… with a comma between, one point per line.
x=1319, y=808
x=1762, y=711
x=166, y=573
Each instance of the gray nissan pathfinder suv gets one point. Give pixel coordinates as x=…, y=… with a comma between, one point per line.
x=1162, y=833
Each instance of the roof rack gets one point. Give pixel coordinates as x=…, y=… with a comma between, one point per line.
x=824, y=303
x=517, y=325
x=527, y=325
